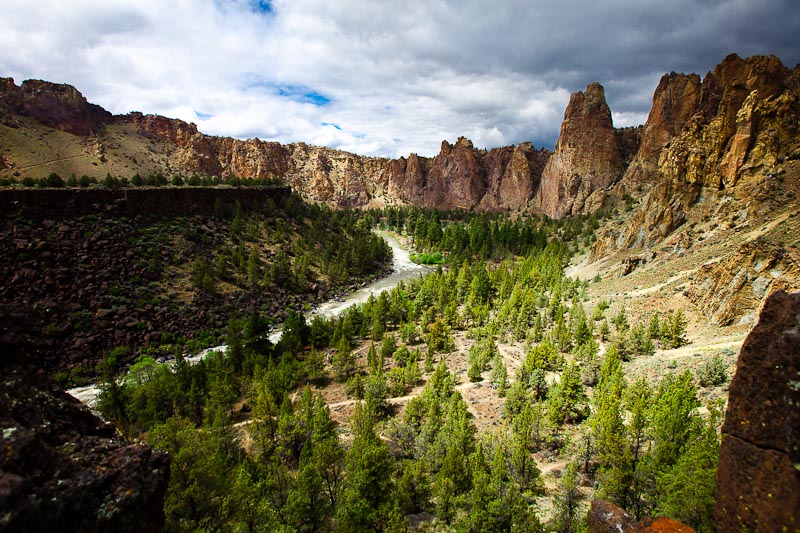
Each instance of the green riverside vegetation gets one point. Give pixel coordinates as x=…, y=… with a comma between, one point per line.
x=283, y=464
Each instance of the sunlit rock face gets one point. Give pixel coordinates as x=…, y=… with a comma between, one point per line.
x=586, y=159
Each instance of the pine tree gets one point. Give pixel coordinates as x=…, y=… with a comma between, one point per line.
x=499, y=376
x=567, y=402
x=366, y=493
x=566, y=501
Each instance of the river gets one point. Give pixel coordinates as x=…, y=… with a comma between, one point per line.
x=402, y=269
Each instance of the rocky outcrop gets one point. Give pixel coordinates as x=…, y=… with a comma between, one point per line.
x=462, y=177
x=758, y=480
x=730, y=139
x=455, y=177
x=586, y=160
x=64, y=469
x=714, y=147
x=58, y=106
x=730, y=291
x=512, y=183
x=674, y=102
x=605, y=517
x=335, y=177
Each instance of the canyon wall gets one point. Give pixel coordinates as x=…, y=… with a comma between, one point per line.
x=730, y=131
x=729, y=134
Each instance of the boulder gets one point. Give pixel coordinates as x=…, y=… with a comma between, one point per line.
x=605, y=517
x=758, y=479
x=64, y=469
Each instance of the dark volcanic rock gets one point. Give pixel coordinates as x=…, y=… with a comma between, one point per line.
x=64, y=469
x=605, y=517
x=758, y=478
x=59, y=106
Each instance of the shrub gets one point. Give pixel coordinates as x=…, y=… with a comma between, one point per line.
x=713, y=372
x=54, y=180
x=428, y=259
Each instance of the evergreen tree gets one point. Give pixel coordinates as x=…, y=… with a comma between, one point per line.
x=365, y=501
x=566, y=501
x=567, y=402
x=499, y=375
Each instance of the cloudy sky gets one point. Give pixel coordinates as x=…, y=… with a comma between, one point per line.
x=383, y=77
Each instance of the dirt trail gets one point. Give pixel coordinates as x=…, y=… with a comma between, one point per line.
x=650, y=290
x=699, y=347
x=45, y=163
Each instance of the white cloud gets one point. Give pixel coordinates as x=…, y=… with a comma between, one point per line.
x=396, y=77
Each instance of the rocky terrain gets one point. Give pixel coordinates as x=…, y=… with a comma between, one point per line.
x=64, y=469
x=701, y=205
x=85, y=271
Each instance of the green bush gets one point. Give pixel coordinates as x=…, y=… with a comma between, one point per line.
x=428, y=259
x=713, y=372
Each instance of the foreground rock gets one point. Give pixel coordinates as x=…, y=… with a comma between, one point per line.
x=64, y=469
x=758, y=478
x=605, y=517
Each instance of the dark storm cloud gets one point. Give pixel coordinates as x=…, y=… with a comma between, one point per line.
x=394, y=77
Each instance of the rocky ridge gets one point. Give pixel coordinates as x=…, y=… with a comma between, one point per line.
x=461, y=176
x=728, y=136
x=726, y=132
x=587, y=158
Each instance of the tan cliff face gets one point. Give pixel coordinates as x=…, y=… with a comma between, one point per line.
x=722, y=134
x=674, y=102
x=741, y=132
x=587, y=158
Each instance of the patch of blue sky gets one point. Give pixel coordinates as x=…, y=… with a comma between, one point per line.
x=262, y=7
x=303, y=94
x=203, y=116
x=297, y=93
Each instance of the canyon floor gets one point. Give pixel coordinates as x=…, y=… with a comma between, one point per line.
x=659, y=285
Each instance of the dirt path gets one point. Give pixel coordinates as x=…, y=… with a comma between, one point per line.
x=669, y=281
x=691, y=349
x=26, y=167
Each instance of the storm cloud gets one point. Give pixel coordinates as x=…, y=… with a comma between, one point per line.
x=384, y=77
